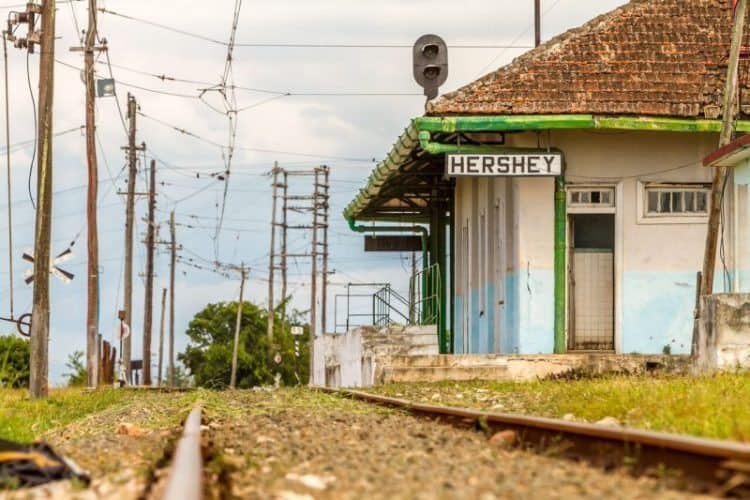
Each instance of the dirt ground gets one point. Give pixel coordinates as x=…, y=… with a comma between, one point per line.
x=295, y=444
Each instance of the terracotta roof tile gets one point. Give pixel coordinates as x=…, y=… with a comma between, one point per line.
x=649, y=58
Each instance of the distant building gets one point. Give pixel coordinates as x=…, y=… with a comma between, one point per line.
x=565, y=194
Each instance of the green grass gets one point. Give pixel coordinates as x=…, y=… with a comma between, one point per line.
x=24, y=420
x=716, y=407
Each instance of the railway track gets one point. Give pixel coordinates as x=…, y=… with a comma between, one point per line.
x=699, y=465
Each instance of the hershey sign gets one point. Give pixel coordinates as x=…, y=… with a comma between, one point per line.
x=504, y=165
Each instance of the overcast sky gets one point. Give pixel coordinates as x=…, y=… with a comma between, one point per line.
x=345, y=131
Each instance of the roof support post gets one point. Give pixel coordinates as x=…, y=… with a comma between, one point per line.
x=560, y=250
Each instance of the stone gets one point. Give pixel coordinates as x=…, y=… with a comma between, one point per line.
x=311, y=481
x=126, y=429
x=609, y=422
x=569, y=417
x=504, y=439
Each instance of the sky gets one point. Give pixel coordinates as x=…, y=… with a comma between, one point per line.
x=346, y=132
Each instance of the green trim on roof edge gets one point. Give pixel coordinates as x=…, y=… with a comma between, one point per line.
x=410, y=139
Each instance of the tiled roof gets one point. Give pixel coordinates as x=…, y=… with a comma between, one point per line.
x=646, y=58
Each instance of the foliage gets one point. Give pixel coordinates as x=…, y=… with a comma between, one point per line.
x=208, y=357
x=14, y=361
x=77, y=376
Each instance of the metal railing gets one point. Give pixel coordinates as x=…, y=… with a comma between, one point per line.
x=425, y=295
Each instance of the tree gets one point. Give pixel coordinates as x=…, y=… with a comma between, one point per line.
x=77, y=376
x=208, y=356
x=14, y=361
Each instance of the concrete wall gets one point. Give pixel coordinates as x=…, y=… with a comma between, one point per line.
x=507, y=306
x=724, y=332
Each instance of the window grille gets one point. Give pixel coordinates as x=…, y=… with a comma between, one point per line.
x=689, y=200
x=591, y=197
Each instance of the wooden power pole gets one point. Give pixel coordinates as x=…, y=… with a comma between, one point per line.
x=237, y=328
x=727, y=130
x=129, y=226
x=149, y=292
x=92, y=302
x=38, y=384
x=173, y=259
x=161, y=336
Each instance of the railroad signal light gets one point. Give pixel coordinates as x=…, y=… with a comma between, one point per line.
x=430, y=64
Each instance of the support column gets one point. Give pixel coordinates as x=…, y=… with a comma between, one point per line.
x=560, y=274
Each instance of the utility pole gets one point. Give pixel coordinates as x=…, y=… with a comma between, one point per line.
x=170, y=369
x=727, y=131
x=324, y=208
x=92, y=303
x=38, y=386
x=314, y=276
x=161, y=336
x=271, y=264
x=284, y=262
x=537, y=23
x=149, y=292
x=237, y=327
x=129, y=213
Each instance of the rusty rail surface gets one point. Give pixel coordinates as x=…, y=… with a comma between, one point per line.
x=721, y=467
x=185, y=480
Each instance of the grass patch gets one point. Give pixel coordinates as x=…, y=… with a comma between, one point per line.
x=23, y=419
x=715, y=407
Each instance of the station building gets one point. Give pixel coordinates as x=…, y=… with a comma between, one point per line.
x=562, y=199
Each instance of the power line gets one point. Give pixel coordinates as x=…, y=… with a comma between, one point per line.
x=303, y=45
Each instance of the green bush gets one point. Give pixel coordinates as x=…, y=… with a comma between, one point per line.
x=14, y=361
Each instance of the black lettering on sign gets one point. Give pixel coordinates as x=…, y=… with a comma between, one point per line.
x=471, y=164
x=549, y=160
x=456, y=164
x=519, y=164
x=503, y=165
x=532, y=164
x=487, y=163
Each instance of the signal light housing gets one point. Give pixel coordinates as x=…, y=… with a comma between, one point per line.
x=430, y=64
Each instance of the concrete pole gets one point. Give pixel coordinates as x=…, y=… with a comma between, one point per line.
x=237, y=328
x=314, y=278
x=170, y=370
x=271, y=255
x=161, y=336
x=92, y=302
x=38, y=386
x=129, y=223
x=148, y=312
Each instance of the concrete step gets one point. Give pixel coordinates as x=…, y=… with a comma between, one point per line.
x=390, y=374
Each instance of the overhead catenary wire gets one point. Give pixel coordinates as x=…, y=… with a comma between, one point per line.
x=300, y=45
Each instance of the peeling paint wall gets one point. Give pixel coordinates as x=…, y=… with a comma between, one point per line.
x=505, y=300
x=724, y=332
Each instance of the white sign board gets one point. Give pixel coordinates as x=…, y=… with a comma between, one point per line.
x=297, y=330
x=503, y=165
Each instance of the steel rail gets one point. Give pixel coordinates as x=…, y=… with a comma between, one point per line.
x=705, y=463
x=185, y=480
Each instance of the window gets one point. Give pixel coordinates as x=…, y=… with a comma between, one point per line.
x=596, y=197
x=675, y=200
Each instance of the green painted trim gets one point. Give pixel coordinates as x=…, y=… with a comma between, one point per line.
x=560, y=271
x=450, y=124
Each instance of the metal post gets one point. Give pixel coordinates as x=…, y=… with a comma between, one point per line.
x=561, y=276
x=727, y=130
x=149, y=292
x=271, y=255
x=284, y=251
x=237, y=328
x=129, y=214
x=161, y=337
x=38, y=386
x=170, y=369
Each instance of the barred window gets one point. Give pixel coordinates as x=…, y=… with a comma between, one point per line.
x=663, y=200
x=591, y=197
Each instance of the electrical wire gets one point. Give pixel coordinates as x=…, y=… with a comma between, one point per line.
x=301, y=45
x=36, y=132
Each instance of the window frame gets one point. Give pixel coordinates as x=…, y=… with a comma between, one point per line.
x=591, y=208
x=646, y=217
